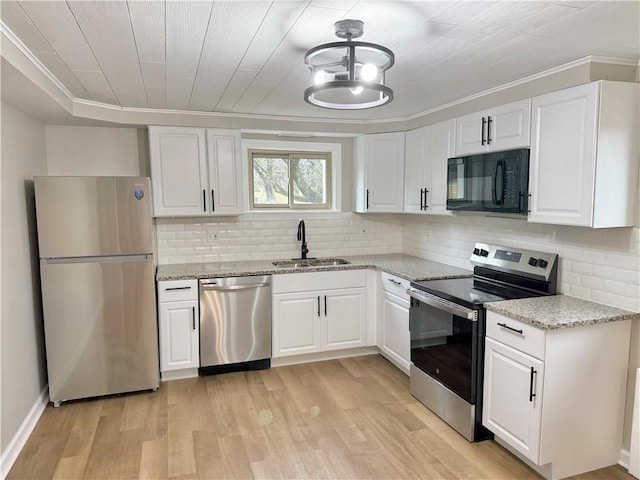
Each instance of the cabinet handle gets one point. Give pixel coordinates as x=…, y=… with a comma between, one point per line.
x=489, y=122
x=504, y=325
x=529, y=204
x=394, y=281
x=484, y=122
x=531, y=394
x=367, y=199
x=193, y=315
x=213, y=202
x=204, y=200
x=177, y=288
x=421, y=201
x=425, y=198
x=325, y=305
x=318, y=305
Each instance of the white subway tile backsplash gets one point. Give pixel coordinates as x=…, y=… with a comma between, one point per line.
x=189, y=240
x=600, y=265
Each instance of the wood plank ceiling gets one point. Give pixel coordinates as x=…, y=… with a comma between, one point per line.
x=246, y=57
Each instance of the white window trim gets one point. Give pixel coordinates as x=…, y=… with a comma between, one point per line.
x=335, y=149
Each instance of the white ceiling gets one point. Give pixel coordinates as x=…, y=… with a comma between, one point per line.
x=246, y=57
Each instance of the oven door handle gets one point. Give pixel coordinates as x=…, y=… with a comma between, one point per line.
x=442, y=304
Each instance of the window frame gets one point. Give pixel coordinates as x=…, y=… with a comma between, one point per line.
x=292, y=155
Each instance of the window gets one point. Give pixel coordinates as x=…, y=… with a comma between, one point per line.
x=290, y=179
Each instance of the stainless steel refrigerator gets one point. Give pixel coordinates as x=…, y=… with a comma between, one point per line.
x=98, y=291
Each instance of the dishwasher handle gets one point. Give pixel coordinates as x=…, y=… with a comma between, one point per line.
x=227, y=288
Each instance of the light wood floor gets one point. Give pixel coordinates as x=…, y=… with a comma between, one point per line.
x=343, y=419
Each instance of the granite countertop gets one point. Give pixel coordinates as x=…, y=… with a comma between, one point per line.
x=404, y=266
x=559, y=311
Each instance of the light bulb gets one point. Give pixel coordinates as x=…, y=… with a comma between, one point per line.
x=320, y=77
x=368, y=72
x=357, y=90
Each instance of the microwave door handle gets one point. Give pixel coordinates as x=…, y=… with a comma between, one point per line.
x=498, y=199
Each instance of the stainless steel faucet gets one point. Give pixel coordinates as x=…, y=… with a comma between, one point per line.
x=302, y=237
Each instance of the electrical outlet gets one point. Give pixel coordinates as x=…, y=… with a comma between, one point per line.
x=212, y=236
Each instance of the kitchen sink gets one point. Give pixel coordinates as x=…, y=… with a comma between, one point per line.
x=311, y=262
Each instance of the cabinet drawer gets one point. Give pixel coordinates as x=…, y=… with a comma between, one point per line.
x=308, y=281
x=177, y=290
x=396, y=285
x=516, y=334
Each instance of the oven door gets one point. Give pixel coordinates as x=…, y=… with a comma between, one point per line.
x=444, y=342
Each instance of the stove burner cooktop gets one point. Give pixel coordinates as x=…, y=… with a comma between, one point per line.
x=500, y=273
x=470, y=292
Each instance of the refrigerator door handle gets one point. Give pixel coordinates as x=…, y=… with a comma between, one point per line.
x=106, y=258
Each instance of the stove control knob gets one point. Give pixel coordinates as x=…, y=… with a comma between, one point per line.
x=542, y=263
x=533, y=262
x=484, y=253
x=476, y=251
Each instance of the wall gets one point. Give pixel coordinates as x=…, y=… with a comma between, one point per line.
x=101, y=151
x=23, y=363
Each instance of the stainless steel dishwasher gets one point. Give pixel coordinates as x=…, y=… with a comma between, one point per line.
x=235, y=324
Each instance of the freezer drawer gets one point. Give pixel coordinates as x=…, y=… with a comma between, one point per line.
x=93, y=216
x=235, y=320
x=100, y=327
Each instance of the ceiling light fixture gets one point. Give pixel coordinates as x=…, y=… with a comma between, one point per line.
x=348, y=75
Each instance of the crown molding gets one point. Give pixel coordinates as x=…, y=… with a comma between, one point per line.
x=81, y=108
x=521, y=81
x=35, y=61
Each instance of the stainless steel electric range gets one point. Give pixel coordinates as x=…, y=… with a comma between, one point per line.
x=447, y=329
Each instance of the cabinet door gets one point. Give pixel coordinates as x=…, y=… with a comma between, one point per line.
x=512, y=406
x=440, y=147
x=225, y=172
x=509, y=126
x=179, y=336
x=470, y=133
x=562, y=162
x=384, y=164
x=296, y=323
x=395, y=331
x=344, y=318
x=178, y=171
x=415, y=170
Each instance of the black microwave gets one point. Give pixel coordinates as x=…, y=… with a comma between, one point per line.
x=490, y=182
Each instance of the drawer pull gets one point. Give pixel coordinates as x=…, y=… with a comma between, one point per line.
x=531, y=394
x=177, y=288
x=504, y=325
x=395, y=282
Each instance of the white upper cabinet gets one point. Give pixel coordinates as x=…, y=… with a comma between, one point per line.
x=379, y=172
x=178, y=170
x=584, y=155
x=225, y=172
x=500, y=128
x=426, y=152
x=195, y=171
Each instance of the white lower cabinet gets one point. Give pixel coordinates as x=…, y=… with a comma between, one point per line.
x=509, y=411
x=316, y=312
x=556, y=397
x=178, y=327
x=393, y=338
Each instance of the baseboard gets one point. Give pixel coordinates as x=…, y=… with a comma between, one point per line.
x=322, y=356
x=624, y=458
x=10, y=455
x=178, y=374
